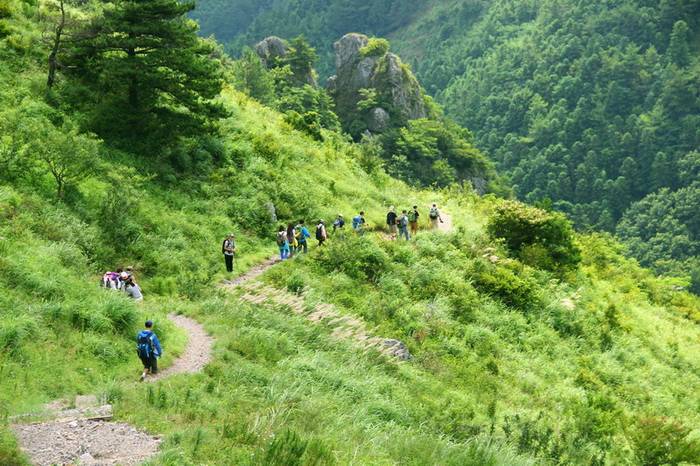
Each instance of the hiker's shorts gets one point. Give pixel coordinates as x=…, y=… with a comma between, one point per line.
x=150, y=363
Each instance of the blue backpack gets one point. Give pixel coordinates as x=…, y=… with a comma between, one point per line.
x=356, y=222
x=144, y=344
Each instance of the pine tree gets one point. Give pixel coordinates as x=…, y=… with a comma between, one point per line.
x=153, y=77
x=678, y=49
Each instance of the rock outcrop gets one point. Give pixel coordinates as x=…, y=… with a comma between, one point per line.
x=271, y=49
x=399, y=97
x=272, y=52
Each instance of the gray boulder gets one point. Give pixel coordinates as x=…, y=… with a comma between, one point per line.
x=270, y=49
x=397, y=349
x=379, y=120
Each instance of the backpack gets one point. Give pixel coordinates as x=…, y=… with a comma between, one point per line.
x=412, y=216
x=281, y=238
x=434, y=213
x=403, y=221
x=144, y=344
x=319, y=232
x=356, y=222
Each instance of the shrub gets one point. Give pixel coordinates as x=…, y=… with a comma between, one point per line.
x=376, y=47
x=357, y=257
x=500, y=282
x=539, y=238
x=14, y=332
x=296, y=282
x=659, y=440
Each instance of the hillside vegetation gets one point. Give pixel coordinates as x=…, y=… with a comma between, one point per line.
x=592, y=107
x=531, y=344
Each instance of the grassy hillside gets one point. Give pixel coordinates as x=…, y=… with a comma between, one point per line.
x=513, y=364
x=592, y=107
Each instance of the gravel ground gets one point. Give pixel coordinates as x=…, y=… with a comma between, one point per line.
x=71, y=438
x=85, y=442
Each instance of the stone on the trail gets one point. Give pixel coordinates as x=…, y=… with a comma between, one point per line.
x=397, y=349
x=86, y=458
x=86, y=401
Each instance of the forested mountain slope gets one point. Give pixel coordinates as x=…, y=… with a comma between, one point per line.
x=531, y=344
x=592, y=105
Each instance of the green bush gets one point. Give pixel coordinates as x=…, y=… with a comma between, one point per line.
x=539, y=238
x=500, y=282
x=659, y=440
x=376, y=47
x=358, y=257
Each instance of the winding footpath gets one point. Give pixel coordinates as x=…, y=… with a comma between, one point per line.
x=82, y=433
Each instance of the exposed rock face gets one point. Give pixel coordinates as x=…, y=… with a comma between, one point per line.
x=400, y=97
x=270, y=49
x=273, y=49
x=379, y=120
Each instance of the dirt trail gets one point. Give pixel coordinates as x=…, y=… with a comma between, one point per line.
x=198, y=351
x=82, y=435
x=253, y=273
x=446, y=225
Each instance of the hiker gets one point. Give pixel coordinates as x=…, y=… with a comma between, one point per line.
x=358, y=223
x=434, y=217
x=391, y=222
x=132, y=290
x=302, y=235
x=228, y=248
x=403, y=226
x=283, y=242
x=292, y=239
x=149, y=350
x=321, y=234
x=413, y=220
x=338, y=224
x=111, y=280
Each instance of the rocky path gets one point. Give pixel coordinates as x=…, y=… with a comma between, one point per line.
x=85, y=442
x=82, y=434
x=343, y=327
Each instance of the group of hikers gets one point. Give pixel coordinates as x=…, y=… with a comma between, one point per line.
x=291, y=239
x=147, y=345
x=122, y=280
x=406, y=223
x=294, y=237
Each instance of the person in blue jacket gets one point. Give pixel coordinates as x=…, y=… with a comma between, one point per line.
x=304, y=235
x=149, y=350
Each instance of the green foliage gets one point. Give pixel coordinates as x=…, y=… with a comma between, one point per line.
x=510, y=366
x=149, y=72
x=308, y=110
x=539, y=238
x=376, y=47
x=301, y=58
x=506, y=283
x=664, y=441
x=355, y=257
x=435, y=152
x=251, y=77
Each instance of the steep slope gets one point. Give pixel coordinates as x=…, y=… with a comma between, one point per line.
x=515, y=361
x=592, y=106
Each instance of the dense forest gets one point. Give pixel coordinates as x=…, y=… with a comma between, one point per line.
x=126, y=139
x=590, y=108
